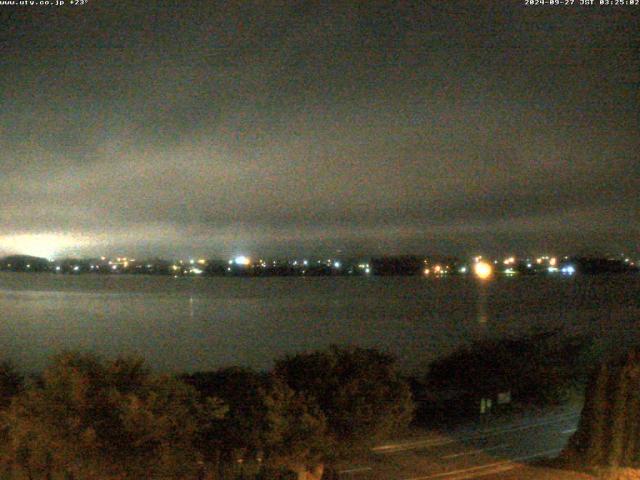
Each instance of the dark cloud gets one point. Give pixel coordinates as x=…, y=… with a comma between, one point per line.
x=211, y=127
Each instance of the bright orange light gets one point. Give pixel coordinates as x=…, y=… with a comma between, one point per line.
x=437, y=269
x=553, y=261
x=427, y=271
x=482, y=270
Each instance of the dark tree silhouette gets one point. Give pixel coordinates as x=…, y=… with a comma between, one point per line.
x=359, y=391
x=609, y=428
x=11, y=383
x=92, y=419
x=267, y=422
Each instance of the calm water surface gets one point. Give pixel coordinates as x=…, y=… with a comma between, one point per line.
x=181, y=324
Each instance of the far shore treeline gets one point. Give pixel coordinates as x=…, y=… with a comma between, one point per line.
x=406, y=265
x=85, y=417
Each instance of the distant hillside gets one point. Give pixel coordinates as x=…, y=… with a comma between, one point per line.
x=24, y=263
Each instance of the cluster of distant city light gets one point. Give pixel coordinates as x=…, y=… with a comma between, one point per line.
x=484, y=269
x=481, y=268
x=197, y=267
x=244, y=261
x=478, y=266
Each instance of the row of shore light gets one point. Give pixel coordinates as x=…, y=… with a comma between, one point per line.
x=480, y=267
x=484, y=269
x=246, y=261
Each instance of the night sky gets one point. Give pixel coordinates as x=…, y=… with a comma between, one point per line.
x=219, y=128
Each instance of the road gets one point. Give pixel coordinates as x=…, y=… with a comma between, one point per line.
x=467, y=453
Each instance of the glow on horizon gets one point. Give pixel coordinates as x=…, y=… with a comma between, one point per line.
x=46, y=245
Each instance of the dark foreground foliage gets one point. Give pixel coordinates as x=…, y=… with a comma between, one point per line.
x=11, y=383
x=539, y=369
x=359, y=391
x=608, y=434
x=268, y=426
x=87, y=418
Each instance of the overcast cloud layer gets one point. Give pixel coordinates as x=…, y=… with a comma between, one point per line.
x=273, y=127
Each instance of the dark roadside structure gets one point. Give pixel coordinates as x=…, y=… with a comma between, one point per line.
x=536, y=370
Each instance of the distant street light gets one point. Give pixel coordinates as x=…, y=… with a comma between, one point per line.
x=483, y=270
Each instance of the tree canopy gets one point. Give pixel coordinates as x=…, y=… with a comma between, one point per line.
x=608, y=433
x=266, y=419
x=88, y=418
x=359, y=391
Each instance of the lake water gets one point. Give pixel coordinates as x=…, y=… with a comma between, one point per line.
x=186, y=324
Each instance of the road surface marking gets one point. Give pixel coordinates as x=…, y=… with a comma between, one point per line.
x=399, y=447
x=355, y=470
x=475, y=452
x=475, y=469
x=570, y=430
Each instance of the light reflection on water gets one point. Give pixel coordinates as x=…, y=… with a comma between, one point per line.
x=481, y=304
x=198, y=323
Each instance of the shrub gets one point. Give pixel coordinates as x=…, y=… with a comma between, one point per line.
x=359, y=391
x=266, y=420
x=92, y=419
